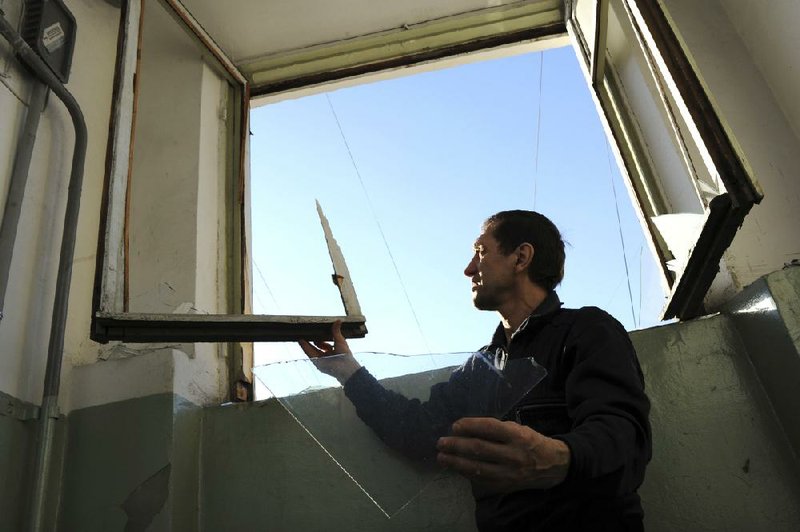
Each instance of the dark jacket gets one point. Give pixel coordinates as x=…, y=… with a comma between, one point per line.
x=592, y=398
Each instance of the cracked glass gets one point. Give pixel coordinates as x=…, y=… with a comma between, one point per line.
x=381, y=427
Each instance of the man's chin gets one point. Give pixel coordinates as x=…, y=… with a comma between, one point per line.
x=482, y=303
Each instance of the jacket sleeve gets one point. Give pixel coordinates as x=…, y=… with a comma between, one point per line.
x=606, y=401
x=412, y=426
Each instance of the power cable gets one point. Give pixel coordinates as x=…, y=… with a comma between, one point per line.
x=538, y=129
x=266, y=285
x=619, y=225
x=377, y=222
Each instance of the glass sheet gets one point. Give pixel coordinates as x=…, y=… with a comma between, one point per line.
x=390, y=453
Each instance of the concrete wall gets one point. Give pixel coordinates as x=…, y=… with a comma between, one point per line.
x=279, y=479
x=132, y=466
x=721, y=458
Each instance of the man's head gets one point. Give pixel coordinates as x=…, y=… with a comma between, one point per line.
x=514, y=247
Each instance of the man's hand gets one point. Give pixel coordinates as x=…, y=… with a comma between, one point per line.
x=503, y=456
x=339, y=367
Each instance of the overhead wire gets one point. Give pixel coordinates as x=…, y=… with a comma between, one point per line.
x=641, y=251
x=619, y=225
x=266, y=285
x=286, y=354
x=378, y=223
x=538, y=129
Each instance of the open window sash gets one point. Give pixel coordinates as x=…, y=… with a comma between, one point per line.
x=687, y=181
x=112, y=318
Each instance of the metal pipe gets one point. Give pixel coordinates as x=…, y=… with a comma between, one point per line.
x=16, y=189
x=49, y=411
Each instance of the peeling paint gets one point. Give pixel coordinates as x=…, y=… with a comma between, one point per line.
x=119, y=351
x=147, y=500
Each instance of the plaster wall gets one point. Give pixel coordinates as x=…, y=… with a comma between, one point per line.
x=179, y=208
x=132, y=465
x=164, y=181
x=721, y=458
x=25, y=330
x=769, y=32
x=745, y=53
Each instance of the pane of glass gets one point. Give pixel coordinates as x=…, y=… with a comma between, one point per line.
x=382, y=427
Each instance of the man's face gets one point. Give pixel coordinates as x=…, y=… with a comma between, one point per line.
x=492, y=273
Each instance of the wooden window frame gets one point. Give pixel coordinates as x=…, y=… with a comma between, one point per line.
x=666, y=58
x=111, y=319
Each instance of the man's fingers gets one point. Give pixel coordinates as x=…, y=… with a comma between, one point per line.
x=475, y=469
x=324, y=348
x=486, y=428
x=318, y=349
x=308, y=349
x=339, y=343
x=315, y=350
x=476, y=449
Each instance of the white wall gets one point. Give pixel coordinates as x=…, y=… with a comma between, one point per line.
x=769, y=32
x=184, y=129
x=749, y=64
x=25, y=331
x=176, y=224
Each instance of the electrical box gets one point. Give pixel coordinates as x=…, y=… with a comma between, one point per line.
x=49, y=28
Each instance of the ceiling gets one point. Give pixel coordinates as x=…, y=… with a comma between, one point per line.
x=280, y=45
x=251, y=29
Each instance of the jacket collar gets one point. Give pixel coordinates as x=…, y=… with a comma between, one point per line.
x=547, y=307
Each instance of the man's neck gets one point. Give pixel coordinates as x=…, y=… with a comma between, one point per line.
x=516, y=311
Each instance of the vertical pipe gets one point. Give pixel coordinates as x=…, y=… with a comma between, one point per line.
x=49, y=411
x=16, y=190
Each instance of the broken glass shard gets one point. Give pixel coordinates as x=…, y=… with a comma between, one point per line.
x=381, y=427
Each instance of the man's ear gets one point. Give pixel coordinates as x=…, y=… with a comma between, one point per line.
x=524, y=253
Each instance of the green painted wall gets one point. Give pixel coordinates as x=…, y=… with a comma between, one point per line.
x=17, y=454
x=261, y=471
x=132, y=466
x=721, y=460
x=16, y=440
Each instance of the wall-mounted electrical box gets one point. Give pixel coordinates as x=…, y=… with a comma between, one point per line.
x=49, y=28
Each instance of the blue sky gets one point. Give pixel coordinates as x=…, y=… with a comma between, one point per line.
x=437, y=153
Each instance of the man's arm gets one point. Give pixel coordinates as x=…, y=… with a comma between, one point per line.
x=407, y=425
x=607, y=403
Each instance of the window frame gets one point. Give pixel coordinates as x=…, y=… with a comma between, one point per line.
x=111, y=318
x=667, y=59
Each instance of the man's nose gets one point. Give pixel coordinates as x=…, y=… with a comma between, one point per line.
x=471, y=268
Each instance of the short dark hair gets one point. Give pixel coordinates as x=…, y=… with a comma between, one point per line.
x=512, y=228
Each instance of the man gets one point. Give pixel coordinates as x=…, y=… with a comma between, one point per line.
x=572, y=453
